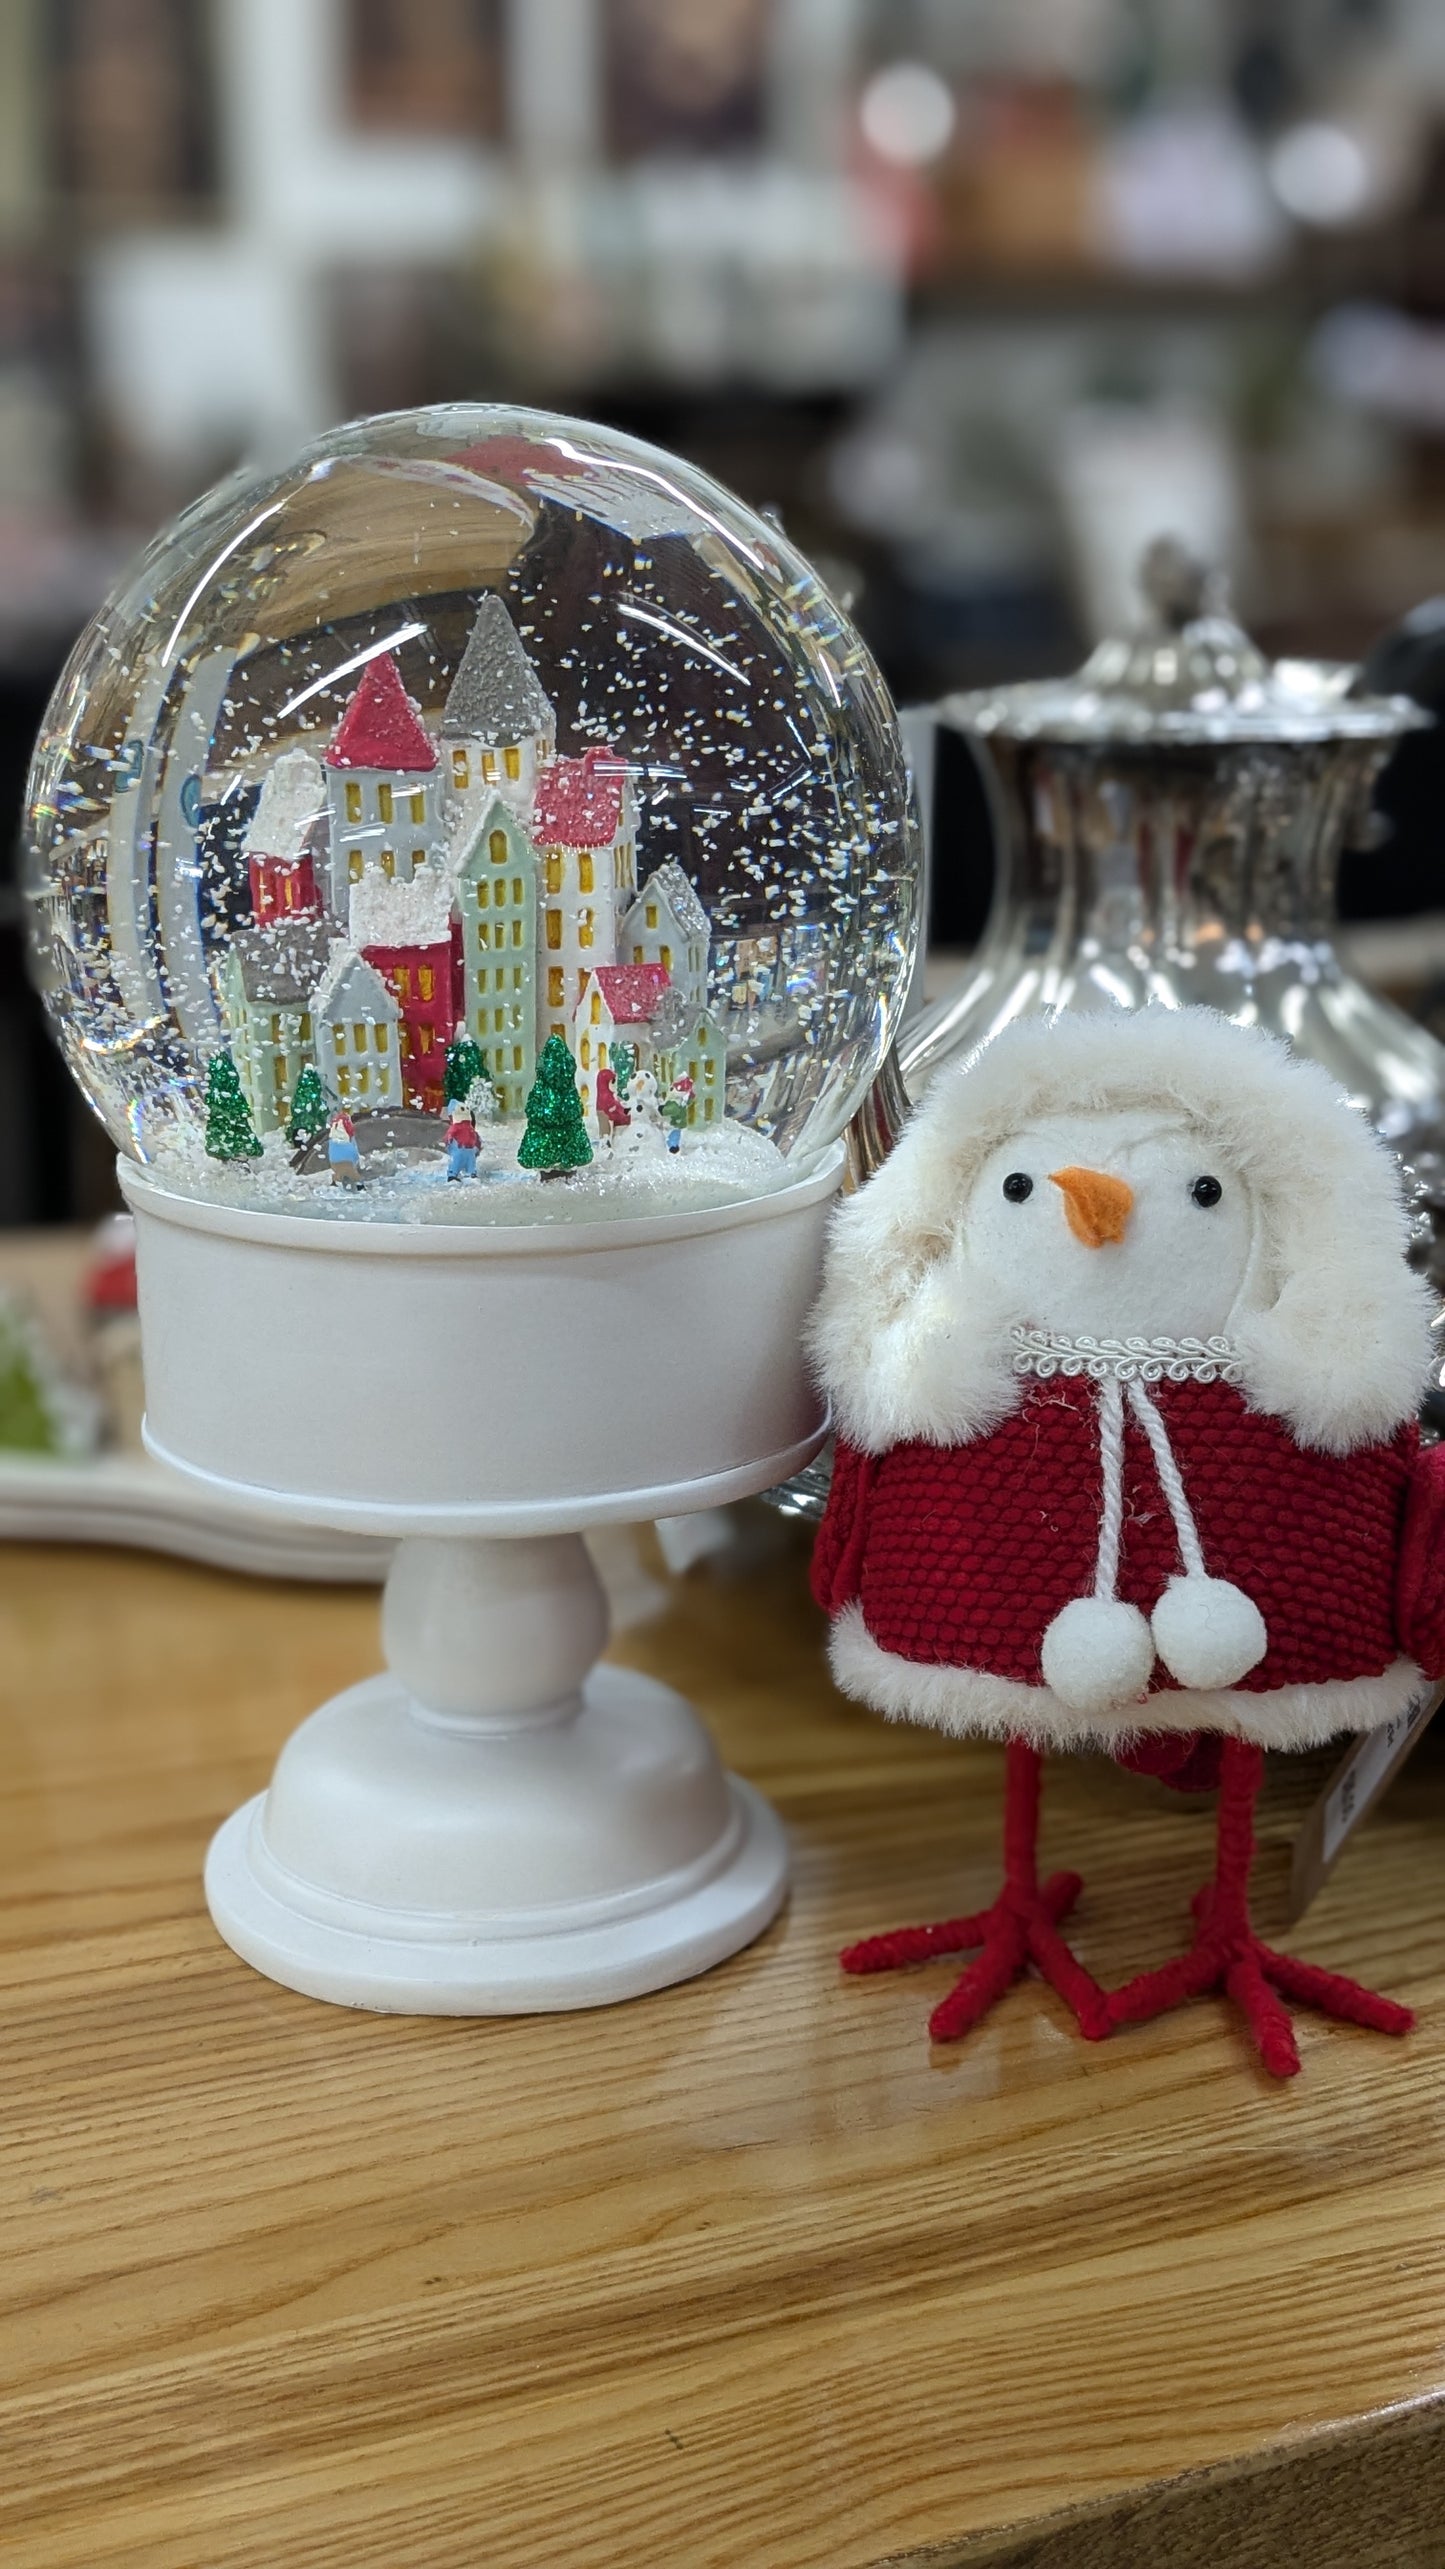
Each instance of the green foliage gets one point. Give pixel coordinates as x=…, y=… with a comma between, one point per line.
x=556, y=1136
x=230, y=1133
x=466, y=1063
x=27, y=1420
x=310, y=1113
x=623, y=1064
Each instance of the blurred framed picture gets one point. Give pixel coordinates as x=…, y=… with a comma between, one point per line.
x=131, y=106
x=425, y=66
x=684, y=75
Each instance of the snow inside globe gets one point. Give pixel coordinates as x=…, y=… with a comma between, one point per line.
x=485, y=819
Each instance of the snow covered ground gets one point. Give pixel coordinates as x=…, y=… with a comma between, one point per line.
x=723, y=1165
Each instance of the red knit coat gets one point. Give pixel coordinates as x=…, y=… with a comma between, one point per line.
x=961, y=1555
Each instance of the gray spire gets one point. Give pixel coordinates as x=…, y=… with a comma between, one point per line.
x=495, y=695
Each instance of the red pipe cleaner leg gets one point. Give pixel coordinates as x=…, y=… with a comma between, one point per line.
x=1227, y=1955
x=1021, y=1927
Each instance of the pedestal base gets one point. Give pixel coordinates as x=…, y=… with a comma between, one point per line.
x=404, y=1864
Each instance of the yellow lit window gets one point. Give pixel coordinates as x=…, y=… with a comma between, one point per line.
x=637, y=954
x=499, y=977
x=461, y=768
x=555, y=991
x=343, y=1081
x=338, y=1038
x=305, y=1027
x=554, y=870
x=275, y=1030
x=289, y=888
x=481, y=981
x=353, y=865
x=426, y=981
x=516, y=932
x=404, y=1039
x=587, y=1052
x=516, y=1056
x=499, y=1018
x=484, y=894
x=584, y=928
x=618, y=870
x=516, y=976
x=353, y=800
x=363, y=1081
x=489, y=765
x=418, y=857
x=517, y=889
x=708, y=1073
x=497, y=847
x=388, y=862
x=513, y=757
x=596, y=1007
x=378, y=1036
x=554, y=930
x=278, y=1071
x=650, y=914
x=383, y=802
x=403, y=981
x=584, y=873
x=418, y=807
x=666, y=958
x=484, y=933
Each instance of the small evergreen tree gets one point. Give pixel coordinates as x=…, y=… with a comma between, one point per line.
x=466, y=1062
x=624, y=1063
x=556, y=1136
x=230, y=1133
x=310, y=1113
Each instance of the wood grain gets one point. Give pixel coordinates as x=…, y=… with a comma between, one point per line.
x=739, y=2276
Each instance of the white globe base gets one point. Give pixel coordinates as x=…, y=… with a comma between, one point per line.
x=495, y=1826
x=513, y=1815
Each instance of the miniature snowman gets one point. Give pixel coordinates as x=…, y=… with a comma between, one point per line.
x=676, y=1107
x=644, y=1135
x=462, y=1144
x=1125, y=1356
x=342, y=1153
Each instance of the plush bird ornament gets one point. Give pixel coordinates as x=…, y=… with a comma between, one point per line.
x=1124, y=1359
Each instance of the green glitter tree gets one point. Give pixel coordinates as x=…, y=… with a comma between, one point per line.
x=556, y=1136
x=230, y=1133
x=310, y=1113
x=466, y=1063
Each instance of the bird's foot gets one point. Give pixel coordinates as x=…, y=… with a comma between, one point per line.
x=1020, y=1928
x=1228, y=1956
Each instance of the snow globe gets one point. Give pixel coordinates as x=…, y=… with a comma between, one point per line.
x=471, y=873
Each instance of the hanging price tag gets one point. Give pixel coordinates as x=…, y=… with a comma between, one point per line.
x=1353, y=1789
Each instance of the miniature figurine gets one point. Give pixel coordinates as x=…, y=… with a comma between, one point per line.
x=1124, y=1357
x=676, y=1107
x=611, y=1113
x=462, y=1144
x=342, y=1154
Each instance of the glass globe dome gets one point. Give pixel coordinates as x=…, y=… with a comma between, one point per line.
x=487, y=798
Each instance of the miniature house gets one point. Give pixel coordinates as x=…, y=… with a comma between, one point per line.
x=267, y=984
x=498, y=728
x=357, y=1025
x=584, y=827
x=496, y=898
x=667, y=924
x=618, y=1001
x=280, y=840
x=689, y=1043
x=403, y=930
x=383, y=785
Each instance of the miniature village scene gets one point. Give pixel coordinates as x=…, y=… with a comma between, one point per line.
x=460, y=979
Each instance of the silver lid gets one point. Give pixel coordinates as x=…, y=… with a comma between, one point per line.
x=1189, y=677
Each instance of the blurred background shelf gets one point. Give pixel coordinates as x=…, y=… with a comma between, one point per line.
x=970, y=294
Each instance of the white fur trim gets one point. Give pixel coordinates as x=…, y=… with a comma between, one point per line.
x=1340, y=1354
x=969, y=1700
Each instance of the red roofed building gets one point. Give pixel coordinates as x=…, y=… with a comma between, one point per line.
x=382, y=785
x=584, y=825
x=617, y=1005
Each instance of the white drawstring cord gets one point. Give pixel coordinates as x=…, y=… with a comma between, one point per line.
x=1111, y=1469
x=1169, y=1481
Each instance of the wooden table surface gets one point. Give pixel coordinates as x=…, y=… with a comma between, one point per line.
x=739, y=2276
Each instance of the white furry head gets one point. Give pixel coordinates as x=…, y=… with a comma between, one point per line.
x=1300, y=1260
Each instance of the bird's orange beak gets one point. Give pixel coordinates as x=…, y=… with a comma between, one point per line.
x=1096, y=1206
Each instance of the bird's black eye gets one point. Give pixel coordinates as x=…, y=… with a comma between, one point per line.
x=1206, y=1190
x=1017, y=1187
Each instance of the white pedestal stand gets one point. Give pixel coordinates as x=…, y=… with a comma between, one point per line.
x=496, y=1824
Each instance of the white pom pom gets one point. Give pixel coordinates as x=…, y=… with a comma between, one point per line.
x=1208, y=1632
x=1098, y=1655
